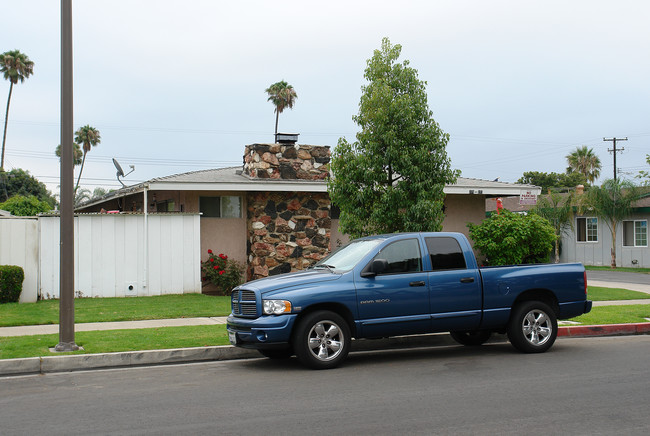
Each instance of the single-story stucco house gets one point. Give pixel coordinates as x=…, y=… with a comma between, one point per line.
x=273, y=212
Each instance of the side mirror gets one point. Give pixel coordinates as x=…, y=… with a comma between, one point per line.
x=377, y=266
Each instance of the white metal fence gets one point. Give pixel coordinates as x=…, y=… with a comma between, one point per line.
x=116, y=255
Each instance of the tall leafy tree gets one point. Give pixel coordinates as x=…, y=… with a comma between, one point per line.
x=15, y=67
x=583, y=160
x=283, y=96
x=392, y=177
x=612, y=202
x=20, y=182
x=552, y=181
x=87, y=137
x=558, y=210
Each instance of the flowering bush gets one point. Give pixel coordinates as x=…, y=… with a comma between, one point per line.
x=224, y=273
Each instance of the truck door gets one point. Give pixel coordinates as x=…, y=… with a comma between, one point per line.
x=455, y=290
x=396, y=301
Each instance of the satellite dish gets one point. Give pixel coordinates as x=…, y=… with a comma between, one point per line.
x=120, y=171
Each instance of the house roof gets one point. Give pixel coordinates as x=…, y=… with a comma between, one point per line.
x=233, y=179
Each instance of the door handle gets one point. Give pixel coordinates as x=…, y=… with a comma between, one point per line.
x=467, y=280
x=420, y=283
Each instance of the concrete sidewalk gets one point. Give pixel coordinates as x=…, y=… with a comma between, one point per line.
x=49, y=329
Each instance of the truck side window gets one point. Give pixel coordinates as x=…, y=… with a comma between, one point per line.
x=445, y=253
x=402, y=256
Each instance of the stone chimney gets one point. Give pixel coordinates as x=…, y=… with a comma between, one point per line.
x=580, y=189
x=286, y=161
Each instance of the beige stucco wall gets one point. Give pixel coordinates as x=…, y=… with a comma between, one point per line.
x=463, y=209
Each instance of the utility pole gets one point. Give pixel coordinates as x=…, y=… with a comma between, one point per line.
x=66, y=264
x=614, y=150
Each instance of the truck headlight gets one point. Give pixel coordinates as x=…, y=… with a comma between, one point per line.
x=276, y=307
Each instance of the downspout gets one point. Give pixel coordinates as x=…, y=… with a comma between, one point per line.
x=145, y=207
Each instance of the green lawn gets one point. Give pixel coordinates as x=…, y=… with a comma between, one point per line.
x=610, y=294
x=615, y=315
x=117, y=340
x=608, y=268
x=116, y=309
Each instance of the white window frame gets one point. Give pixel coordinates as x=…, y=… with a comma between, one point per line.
x=587, y=233
x=634, y=230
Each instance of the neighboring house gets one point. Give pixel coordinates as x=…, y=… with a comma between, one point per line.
x=589, y=241
x=274, y=212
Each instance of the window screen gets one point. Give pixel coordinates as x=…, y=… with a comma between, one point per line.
x=220, y=207
x=587, y=230
x=445, y=253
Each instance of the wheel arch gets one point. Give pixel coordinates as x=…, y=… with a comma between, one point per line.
x=337, y=308
x=540, y=294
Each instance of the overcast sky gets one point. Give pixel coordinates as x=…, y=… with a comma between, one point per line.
x=179, y=86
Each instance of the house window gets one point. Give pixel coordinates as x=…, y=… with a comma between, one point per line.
x=635, y=233
x=220, y=207
x=587, y=229
x=165, y=206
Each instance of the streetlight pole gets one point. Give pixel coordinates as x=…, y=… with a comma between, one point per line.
x=66, y=276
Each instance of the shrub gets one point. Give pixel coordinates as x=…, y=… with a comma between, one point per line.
x=11, y=283
x=510, y=239
x=224, y=273
x=25, y=206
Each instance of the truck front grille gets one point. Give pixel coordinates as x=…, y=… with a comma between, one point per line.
x=244, y=303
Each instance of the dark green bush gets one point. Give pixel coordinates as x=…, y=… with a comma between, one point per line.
x=11, y=283
x=511, y=239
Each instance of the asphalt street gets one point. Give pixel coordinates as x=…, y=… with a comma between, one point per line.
x=580, y=387
x=619, y=276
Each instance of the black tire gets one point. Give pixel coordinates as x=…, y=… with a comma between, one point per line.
x=532, y=327
x=321, y=340
x=277, y=354
x=472, y=338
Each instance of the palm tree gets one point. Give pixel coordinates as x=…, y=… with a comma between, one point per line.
x=87, y=137
x=282, y=95
x=16, y=67
x=558, y=210
x=613, y=203
x=584, y=161
x=77, y=154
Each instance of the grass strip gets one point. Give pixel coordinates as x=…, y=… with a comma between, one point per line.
x=110, y=341
x=619, y=269
x=615, y=315
x=595, y=293
x=116, y=309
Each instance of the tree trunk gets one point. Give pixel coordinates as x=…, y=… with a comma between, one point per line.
x=80, y=171
x=4, y=136
x=614, y=247
x=277, y=117
x=557, y=251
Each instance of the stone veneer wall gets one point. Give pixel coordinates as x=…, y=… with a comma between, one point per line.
x=286, y=231
x=286, y=162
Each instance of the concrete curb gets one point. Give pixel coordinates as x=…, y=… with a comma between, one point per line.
x=48, y=364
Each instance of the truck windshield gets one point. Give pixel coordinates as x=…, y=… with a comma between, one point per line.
x=349, y=255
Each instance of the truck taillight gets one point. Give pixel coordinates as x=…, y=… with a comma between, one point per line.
x=585, y=283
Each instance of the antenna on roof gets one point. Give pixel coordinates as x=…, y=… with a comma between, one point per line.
x=120, y=171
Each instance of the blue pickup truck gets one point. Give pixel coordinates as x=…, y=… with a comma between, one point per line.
x=403, y=284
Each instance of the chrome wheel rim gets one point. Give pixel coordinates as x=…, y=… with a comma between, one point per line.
x=326, y=340
x=537, y=327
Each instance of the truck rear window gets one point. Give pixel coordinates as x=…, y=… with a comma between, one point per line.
x=445, y=253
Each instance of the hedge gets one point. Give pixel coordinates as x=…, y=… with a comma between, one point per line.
x=11, y=283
